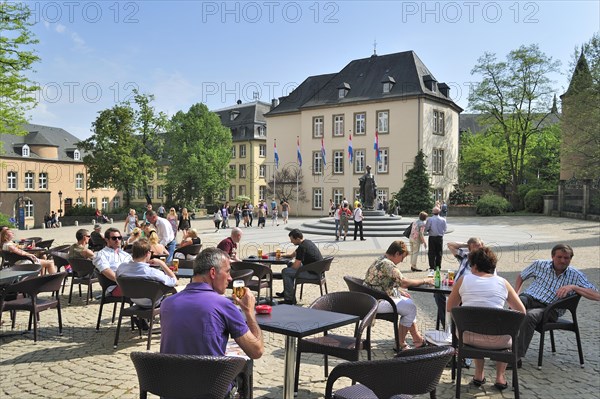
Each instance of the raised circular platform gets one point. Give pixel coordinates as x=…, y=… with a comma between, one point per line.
x=376, y=223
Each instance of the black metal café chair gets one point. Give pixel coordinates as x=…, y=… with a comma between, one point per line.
x=317, y=271
x=263, y=274
x=491, y=322
x=341, y=346
x=569, y=303
x=411, y=372
x=190, y=376
x=356, y=284
x=136, y=287
x=32, y=287
x=82, y=272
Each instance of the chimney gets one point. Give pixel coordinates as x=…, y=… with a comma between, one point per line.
x=274, y=103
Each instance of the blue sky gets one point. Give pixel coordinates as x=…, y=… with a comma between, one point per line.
x=94, y=52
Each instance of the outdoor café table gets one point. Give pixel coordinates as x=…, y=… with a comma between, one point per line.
x=297, y=322
x=36, y=251
x=270, y=260
x=184, y=273
x=8, y=276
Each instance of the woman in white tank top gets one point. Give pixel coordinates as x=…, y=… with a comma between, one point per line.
x=485, y=289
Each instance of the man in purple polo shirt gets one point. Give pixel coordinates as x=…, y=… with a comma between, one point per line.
x=199, y=319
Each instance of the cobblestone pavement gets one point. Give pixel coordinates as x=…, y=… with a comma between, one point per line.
x=82, y=362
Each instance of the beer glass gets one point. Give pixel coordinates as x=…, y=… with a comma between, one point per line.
x=238, y=288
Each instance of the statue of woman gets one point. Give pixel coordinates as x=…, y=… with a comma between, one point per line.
x=368, y=189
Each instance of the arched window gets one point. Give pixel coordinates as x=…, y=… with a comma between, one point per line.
x=76, y=155
x=25, y=150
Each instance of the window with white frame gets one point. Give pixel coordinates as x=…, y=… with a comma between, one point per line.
x=233, y=171
x=104, y=204
x=262, y=150
x=437, y=167
x=318, y=126
x=438, y=194
x=317, y=198
x=25, y=150
x=28, y=208
x=43, y=181
x=438, y=122
x=262, y=192
x=93, y=203
x=76, y=155
x=151, y=191
x=11, y=180
x=160, y=192
x=383, y=121
x=360, y=123
x=382, y=193
x=79, y=201
x=242, y=150
x=262, y=171
x=242, y=190
x=79, y=181
x=382, y=166
x=231, y=192
x=242, y=171
x=338, y=125
x=116, y=202
x=317, y=165
x=29, y=180
x=233, y=151
x=338, y=195
x=338, y=162
x=262, y=132
x=359, y=161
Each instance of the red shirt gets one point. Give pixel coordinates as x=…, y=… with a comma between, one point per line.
x=227, y=245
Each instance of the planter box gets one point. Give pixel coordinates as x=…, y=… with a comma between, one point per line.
x=454, y=210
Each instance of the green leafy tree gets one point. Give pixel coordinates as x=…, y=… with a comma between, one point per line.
x=16, y=58
x=198, y=148
x=125, y=146
x=516, y=96
x=581, y=114
x=415, y=195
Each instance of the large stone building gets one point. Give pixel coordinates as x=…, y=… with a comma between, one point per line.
x=394, y=95
x=42, y=172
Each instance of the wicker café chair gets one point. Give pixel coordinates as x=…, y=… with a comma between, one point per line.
x=340, y=346
x=356, y=285
x=488, y=321
x=244, y=274
x=189, y=376
x=412, y=372
x=191, y=250
x=264, y=276
x=547, y=324
x=45, y=244
x=317, y=269
x=31, y=287
x=105, y=282
x=60, y=262
x=83, y=271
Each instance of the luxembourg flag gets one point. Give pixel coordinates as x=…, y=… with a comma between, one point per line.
x=298, y=151
x=376, y=147
x=323, y=157
x=276, y=154
x=350, y=150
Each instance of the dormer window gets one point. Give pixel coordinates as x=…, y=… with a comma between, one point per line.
x=430, y=83
x=25, y=150
x=388, y=83
x=261, y=131
x=76, y=155
x=343, y=90
x=233, y=115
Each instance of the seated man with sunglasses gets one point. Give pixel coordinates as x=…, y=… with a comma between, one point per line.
x=108, y=259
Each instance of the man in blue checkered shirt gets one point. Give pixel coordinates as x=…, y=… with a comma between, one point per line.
x=553, y=279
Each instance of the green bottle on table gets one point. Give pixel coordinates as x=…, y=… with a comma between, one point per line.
x=437, y=278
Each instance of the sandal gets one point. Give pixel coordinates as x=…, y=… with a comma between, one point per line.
x=421, y=344
x=477, y=382
x=501, y=387
x=405, y=347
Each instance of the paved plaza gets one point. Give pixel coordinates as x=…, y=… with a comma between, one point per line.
x=83, y=364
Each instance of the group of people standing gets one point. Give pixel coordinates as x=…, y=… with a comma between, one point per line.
x=246, y=213
x=342, y=214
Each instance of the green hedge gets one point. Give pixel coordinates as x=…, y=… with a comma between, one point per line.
x=534, y=200
x=5, y=222
x=491, y=205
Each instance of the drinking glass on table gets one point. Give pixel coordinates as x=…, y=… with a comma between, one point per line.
x=239, y=288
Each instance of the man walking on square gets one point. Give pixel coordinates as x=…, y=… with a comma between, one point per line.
x=436, y=227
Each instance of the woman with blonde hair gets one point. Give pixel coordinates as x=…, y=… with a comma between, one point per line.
x=136, y=234
x=131, y=222
x=172, y=218
x=155, y=247
x=190, y=238
x=184, y=221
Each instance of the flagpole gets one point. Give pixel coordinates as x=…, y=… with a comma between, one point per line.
x=299, y=160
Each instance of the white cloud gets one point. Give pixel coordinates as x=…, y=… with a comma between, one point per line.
x=60, y=28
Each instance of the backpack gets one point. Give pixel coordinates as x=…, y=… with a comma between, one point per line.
x=343, y=216
x=408, y=231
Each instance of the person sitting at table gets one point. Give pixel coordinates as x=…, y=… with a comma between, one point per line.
x=97, y=242
x=155, y=247
x=383, y=275
x=552, y=279
x=306, y=253
x=482, y=287
x=7, y=244
x=462, y=255
x=230, y=244
x=108, y=259
x=191, y=238
x=80, y=249
x=136, y=234
x=199, y=320
x=140, y=266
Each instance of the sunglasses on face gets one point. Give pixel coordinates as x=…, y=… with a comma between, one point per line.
x=116, y=238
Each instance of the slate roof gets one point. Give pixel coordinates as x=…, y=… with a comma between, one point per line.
x=365, y=78
x=42, y=136
x=250, y=115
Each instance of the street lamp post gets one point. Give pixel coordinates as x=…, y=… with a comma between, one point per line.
x=60, y=203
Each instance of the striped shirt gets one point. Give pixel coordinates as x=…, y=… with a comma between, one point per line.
x=546, y=282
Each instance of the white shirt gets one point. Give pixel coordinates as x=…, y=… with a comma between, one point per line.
x=164, y=231
x=358, y=215
x=108, y=258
